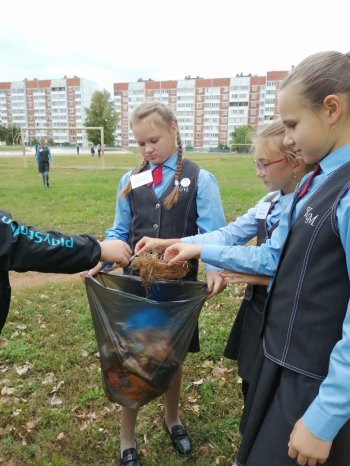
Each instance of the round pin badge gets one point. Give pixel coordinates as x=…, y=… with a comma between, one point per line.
x=185, y=182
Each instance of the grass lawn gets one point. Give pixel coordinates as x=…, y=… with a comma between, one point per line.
x=53, y=410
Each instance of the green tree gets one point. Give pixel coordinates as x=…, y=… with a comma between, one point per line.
x=242, y=135
x=3, y=133
x=11, y=135
x=101, y=113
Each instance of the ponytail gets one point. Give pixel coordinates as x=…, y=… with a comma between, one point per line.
x=321, y=74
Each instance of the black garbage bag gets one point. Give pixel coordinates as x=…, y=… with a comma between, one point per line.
x=142, y=338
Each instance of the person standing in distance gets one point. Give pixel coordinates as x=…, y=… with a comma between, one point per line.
x=44, y=161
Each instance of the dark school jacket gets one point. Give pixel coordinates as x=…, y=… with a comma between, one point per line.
x=24, y=248
x=308, y=301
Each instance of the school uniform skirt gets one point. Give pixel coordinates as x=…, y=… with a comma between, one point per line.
x=277, y=398
x=244, y=340
x=44, y=167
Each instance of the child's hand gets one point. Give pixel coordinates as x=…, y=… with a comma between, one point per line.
x=249, y=279
x=145, y=244
x=180, y=252
x=305, y=447
x=115, y=251
x=215, y=283
x=92, y=272
x=148, y=244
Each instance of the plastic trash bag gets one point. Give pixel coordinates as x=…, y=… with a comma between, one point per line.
x=142, y=340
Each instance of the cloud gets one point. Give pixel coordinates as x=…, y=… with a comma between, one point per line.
x=123, y=41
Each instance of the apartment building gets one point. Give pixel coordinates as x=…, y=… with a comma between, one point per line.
x=207, y=110
x=37, y=103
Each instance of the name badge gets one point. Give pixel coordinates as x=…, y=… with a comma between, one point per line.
x=140, y=179
x=262, y=210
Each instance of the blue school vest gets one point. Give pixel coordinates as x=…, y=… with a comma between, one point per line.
x=151, y=218
x=309, y=296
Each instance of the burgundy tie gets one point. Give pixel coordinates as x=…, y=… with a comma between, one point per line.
x=157, y=175
x=309, y=181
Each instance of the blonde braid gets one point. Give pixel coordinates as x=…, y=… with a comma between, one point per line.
x=173, y=197
x=125, y=192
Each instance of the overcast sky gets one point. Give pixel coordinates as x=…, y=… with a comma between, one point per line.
x=116, y=40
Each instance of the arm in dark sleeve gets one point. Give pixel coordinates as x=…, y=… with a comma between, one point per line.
x=24, y=248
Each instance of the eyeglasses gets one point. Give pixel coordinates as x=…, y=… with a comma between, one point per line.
x=261, y=166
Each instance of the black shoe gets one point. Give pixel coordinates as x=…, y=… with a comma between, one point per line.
x=130, y=457
x=180, y=439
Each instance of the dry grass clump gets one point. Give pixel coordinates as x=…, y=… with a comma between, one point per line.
x=152, y=266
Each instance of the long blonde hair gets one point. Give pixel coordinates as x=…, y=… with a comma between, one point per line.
x=275, y=129
x=167, y=117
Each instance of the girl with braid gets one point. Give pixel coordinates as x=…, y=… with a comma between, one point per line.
x=167, y=196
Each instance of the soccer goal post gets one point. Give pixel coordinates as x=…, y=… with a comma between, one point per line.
x=60, y=128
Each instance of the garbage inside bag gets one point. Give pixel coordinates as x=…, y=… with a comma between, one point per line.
x=142, y=339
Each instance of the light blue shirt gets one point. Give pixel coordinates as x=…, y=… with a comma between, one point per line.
x=245, y=228
x=209, y=207
x=330, y=410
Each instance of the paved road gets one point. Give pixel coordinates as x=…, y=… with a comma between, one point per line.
x=56, y=151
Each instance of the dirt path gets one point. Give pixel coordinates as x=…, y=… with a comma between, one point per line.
x=18, y=280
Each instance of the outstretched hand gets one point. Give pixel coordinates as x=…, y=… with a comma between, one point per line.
x=215, y=283
x=115, y=251
x=249, y=279
x=180, y=252
x=150, y=244
x=92, y=272
x=305, y=448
